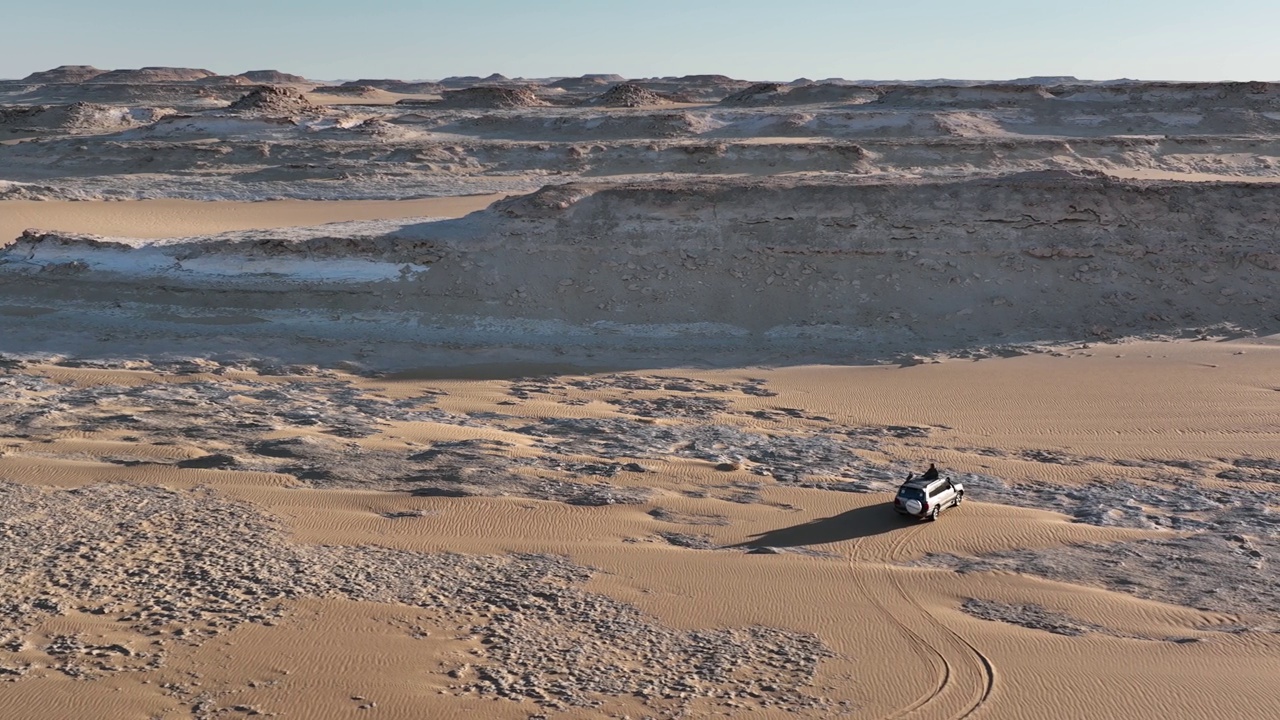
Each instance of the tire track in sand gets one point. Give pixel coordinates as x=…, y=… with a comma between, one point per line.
x=965, y=676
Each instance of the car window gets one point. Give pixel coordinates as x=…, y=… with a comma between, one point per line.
x=937, y=491
x=911, y=493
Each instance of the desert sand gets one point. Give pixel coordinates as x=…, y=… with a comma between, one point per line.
x=588, y=398
x=183, y=218
x=869, y=617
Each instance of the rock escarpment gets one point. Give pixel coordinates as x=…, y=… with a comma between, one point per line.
x=750, y=269
x=1025, y=258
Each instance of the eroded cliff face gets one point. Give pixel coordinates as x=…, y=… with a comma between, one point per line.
x=1025, y=258
x=786, y=268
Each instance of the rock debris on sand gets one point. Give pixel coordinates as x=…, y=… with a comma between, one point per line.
x=1207, y=571
x=1179, y=501
x=180, y=567
x=809, y=459
x=1030, y=616
x=1226, y=563
x=202, y=411
x=594, y=461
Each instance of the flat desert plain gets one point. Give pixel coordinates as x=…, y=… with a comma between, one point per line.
x=587, y=398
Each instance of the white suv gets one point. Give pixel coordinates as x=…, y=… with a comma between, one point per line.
x=925, y=499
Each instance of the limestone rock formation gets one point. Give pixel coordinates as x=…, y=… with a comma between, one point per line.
x=488, y=97
x=271, y=100
x=630, y=95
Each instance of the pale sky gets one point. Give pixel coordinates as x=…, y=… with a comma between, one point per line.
x=750, y=39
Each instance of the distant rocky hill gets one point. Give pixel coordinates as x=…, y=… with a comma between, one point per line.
x=697, y=88
x=271, y=100
x=224, y=80
x=275, y=77
x=465, y=81
x=64, y=74
x=630, y=95
x=151, y=75
x=397, y=86
x=586, y=83
x=489, y=98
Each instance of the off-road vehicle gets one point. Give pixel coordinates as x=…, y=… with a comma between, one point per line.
x=926, y=499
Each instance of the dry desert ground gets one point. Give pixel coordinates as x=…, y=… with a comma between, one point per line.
x=588, y=398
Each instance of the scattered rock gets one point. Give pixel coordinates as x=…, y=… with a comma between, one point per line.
x=1202, y=571
x=217, y=460
x=396, y=515
x=1028, y=616
x=693, y=542
x=187, y=566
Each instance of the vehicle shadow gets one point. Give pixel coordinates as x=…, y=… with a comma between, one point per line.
x=857, y=523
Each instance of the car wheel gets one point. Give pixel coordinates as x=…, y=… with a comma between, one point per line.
x=933, y=514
